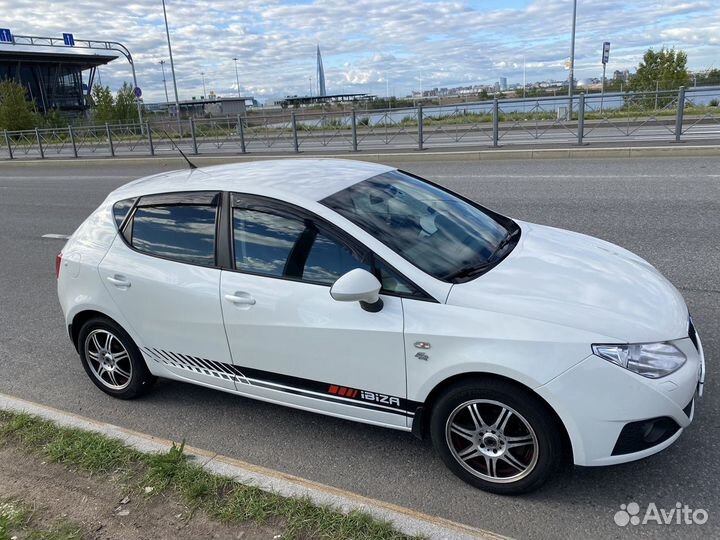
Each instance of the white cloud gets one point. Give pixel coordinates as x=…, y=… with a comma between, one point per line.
x=368, y=42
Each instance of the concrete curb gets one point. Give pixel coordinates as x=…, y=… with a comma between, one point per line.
x=584, y=152
x=404, y=519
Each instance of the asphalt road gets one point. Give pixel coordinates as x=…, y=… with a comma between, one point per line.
x=666, y=210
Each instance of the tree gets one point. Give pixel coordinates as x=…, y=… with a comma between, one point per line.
x=103, y=104
x=125, y=107
x=16, y=111
x=665, y=69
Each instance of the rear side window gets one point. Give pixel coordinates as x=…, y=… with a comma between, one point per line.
x=120, y=210
x=182, y=232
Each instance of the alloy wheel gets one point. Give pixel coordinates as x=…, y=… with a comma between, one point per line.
x=108, y=359
x=492, y=441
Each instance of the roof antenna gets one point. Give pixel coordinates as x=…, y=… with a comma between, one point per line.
x=190, y=163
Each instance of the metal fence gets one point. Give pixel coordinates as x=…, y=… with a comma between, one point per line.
x=586, y=119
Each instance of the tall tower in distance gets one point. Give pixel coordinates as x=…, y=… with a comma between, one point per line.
x=320, y=74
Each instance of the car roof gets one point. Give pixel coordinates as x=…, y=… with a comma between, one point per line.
x=311, y=179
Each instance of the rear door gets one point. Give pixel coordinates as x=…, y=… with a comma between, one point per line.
x=163, y=274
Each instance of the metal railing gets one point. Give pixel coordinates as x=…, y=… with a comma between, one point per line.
x=681, y=115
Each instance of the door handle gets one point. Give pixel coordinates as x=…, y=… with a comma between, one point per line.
x=118, y=281
x=240, y=299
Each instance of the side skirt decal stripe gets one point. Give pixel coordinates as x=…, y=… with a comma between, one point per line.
x=363, y=399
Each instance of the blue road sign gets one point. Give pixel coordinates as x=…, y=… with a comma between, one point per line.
x=137, y=92
x=5, y=35
x=69, y=40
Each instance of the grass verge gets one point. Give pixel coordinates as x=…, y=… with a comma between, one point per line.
x=175, y=474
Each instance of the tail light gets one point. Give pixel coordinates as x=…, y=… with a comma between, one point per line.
x=58, y=262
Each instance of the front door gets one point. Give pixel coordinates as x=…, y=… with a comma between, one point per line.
x=290, y=341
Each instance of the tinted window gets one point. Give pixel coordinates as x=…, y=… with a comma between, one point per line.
x=184, y=233
x=263, y=241
x=120, y=210
x=436, y=231
x=277, y=245
x=328, y=260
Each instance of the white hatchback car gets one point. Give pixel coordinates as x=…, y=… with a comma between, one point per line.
x=363, y=292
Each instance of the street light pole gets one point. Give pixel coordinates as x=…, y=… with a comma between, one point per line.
x=237, y=78
x=202, y=74
x=162, y=66
x=571, y=79
x=172, y=69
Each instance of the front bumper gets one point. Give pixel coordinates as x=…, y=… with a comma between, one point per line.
x=596, y=400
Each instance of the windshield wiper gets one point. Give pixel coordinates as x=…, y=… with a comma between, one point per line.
x=468, y=272
x=509, y=237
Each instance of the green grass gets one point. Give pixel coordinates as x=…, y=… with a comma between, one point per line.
x=16, y=517
x=174, y=473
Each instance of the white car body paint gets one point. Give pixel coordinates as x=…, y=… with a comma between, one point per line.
x=531, y=319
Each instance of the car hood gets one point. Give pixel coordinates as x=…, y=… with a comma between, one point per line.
x=580, y=282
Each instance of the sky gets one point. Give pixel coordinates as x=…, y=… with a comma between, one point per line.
x=369, y=46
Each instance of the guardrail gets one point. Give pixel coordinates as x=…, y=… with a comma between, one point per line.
x=586, y=119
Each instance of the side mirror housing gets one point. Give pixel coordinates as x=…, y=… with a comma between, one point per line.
x=358, y=285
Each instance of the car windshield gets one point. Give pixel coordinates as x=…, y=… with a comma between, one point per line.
x=440, y=233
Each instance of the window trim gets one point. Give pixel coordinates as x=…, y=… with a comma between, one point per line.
x=258, y=202
x=166, y=199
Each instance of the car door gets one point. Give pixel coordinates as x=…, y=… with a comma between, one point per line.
x=162, y=272
x=289, y=339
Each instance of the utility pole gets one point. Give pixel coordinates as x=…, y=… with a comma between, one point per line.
x=162, y=66
x=237, y=77
x=571, y=79
x=172, y=69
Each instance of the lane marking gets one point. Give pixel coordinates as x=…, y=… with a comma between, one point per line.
x=406, y=520
x=57, y=236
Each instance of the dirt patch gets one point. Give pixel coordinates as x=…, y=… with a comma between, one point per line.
x=104, y=508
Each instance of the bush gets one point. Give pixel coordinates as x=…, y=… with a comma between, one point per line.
x=714, y=102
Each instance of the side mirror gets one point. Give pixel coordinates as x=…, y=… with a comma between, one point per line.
x=358, y=285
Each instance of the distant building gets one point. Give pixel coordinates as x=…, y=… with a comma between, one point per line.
x=503, y=83
x=621, y=75
x=320, y=74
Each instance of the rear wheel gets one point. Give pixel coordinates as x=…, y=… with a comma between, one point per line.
x=112, y=360
x=496, y=436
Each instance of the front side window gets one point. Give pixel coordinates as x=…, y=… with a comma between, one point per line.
x=279, y=245
x=185, y=233
x=443, y=235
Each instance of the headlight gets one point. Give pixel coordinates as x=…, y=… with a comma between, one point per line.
x=651, y=360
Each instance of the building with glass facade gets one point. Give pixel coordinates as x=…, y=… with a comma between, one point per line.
x=55, y=77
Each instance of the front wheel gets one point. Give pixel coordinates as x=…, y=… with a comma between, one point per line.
x=112, y=360
x=496, y=436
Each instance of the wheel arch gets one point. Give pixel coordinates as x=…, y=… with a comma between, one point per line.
x=80, y=318
x=421, y=421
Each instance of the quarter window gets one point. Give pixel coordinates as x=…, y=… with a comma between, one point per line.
x=184, y=233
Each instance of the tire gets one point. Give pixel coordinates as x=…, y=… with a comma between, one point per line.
x=122, y=373
x=496, y=436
